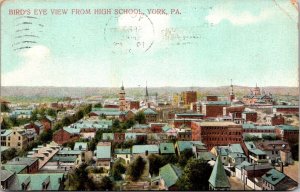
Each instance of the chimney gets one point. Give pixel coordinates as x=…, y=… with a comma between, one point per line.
x=281, y=167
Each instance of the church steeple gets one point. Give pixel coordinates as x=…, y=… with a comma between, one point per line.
x=147, y=94
x=231, y=93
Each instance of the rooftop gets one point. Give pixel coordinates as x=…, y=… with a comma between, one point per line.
x=170, y=174
x=166, y=148
x=141, y=149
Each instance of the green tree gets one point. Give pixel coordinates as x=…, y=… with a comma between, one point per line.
x=173, y=159
x=8, y=155
x=46, y=136
x=155, y=162
x=117, y=169
x=6, y=123
x=195, y=176
x=4, y=108
x=79, y=115
x=185, y=156
x=58, y=125
x=116, y=124
x=140, y=117
x=106, y=184
x=136, y=168
x=98, y=105
x=66, y=121
x=51, y=112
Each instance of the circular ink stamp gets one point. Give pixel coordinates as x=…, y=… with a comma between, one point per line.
x=129, y=33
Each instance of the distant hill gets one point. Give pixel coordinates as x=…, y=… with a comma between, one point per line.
x=8, y=91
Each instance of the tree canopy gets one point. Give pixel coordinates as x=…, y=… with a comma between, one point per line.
x=136, y=168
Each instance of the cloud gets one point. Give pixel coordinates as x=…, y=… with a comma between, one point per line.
x=40, y=69
x=220, y=13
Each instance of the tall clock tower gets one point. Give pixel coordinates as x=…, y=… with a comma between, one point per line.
x=122, y=101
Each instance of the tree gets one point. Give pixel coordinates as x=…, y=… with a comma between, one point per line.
x=116, y=124
x=98, y=105
x=136, y=168
x=6, y=123
x=46, y=136
x=51, y=112
x=185, y=156
x=8, y=154
x=117, y=169
x=58, y=125
x=140, y=117
x=79, y=115
x=155, y=162
x=66, y=121
x=128, y=123
x=295, y=152
x=173, y=159
x=4, y=107
x=195, y=176
x=106, y=184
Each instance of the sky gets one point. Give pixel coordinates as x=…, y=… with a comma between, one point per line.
x=207, y=44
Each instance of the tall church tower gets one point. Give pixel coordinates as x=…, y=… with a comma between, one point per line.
x=122, y=101
x=147, y=97
x=231, y=93
x=256, y=90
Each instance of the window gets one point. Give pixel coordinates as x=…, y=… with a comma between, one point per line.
x=19, y=138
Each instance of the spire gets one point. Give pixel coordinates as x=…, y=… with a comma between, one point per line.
x=147, y=94
x=218, y=178
x=122, y=87
x=231, y=93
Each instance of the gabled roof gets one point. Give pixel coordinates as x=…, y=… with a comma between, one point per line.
x=244, y=163
x=35, y=181
x=236, y=148
x=22, y=161
x=166, y=148
x=273, y=176
x=103, y=152
x=14, y=168
x=82, y=144
x=182, y=145
x=218, y=178
x=141, y=149
x=122, y=151
x=170, y=174
x=206, y=155
x=149, y=111
x=5, y=174
x=72, y=130
x=288, y=127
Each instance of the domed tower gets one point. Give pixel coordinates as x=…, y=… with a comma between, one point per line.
x=122, y=101
x=256, y=90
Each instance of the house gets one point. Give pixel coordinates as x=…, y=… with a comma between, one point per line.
x=206, y=156
x=275, y=119
x=17, y=137
x=38, y=182
x=123, y=154
x=66, y=135
x=47, y=122
x=256, y=156
x=108, y=136
x=180, y=146
x=31, y=163
x=67, y=152
x=37, y=126
x=169, y=175
x=278, y=181
x=140, y=128
x=6, y=178
x=21, y=113
x=156, y=127
x=166, y=149
x=239, y=168
x=43, y=153
x=150, y=115
x=144, y=150
x=103, y=154
x=218, y=179
x=119, y=137
x=170, y=131
x=80, y=146
x=276, y=150
x=249, y=116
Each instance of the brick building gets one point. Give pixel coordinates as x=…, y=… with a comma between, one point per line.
x=212, y=98
x=132, y=105
x=287, y=133
x=286, y=109
x=249, y=116
x=216, y=133
x=189, y=97
x=214, y=108
x=63, y=136
x=157, y=127
x=275, y=120
x=233, y=111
